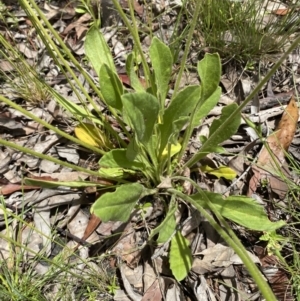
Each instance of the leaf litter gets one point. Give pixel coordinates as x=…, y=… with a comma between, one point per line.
x=213, y=258
x=272, y=157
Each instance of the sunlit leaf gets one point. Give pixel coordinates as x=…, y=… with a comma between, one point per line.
x=135, y=82
x=180, y=256
x=240, y=209
x=115, y=172
x=218, y=133
x=55, y=184
x=177, y=114
x=162, y=61
x=111, y=87
x=220, y=172
x=117, y=158
x=206, y=106
x=91, y=135
x=175, y=148
x=166, y=227
x=209, y=70
x=142, y=110
x=97, y=50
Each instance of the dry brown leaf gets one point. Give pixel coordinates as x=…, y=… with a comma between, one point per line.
x=126, y=80
x=153, y=293
x=6, y=66
x=10, y=188
x=60, y=176
x=80, y=26
x=281, y=11
x=278, y=143
x=126, y=247
x=139, y=9
x=78, y=226
x=64, y=13
x=92, y=225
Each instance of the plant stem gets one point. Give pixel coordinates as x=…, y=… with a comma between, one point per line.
x=46, y=157
x=187, y=47
x=59, y=59
x=133, y=29
x=232, y=241
x=238, y=111
x=50, y=127
x=54, y=160
x=54, y=51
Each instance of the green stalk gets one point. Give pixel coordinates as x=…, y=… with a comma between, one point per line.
x=54, y=160
x=194, y=22
x=50, y=127
x=231, y=240
x=189, y=129
x=238, y=111
x=46, y=157
x=58, y=57
x=55, y=52
x=176, y=37
x=133, y=29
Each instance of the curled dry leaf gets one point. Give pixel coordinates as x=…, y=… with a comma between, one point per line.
x=270, y=159
x=10, y=188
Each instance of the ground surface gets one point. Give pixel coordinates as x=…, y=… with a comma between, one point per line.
x=116, y=256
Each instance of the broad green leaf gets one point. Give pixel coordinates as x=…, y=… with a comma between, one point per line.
x=180, y=256
x=97, y=50
x=166, y=227
x=134, y=80
x=240, y=209
x=117, y=159
x=132, y=150
x=219, y=149
x=218, y=133
x=117, y=205
x=111, y=87
x=151, y=147
x=141, y=109
x=220, y=172
x=162, y=61
x=209, y=70
x=177, y=127
x=180, y=108
x=228, y=131
x=206, y=106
